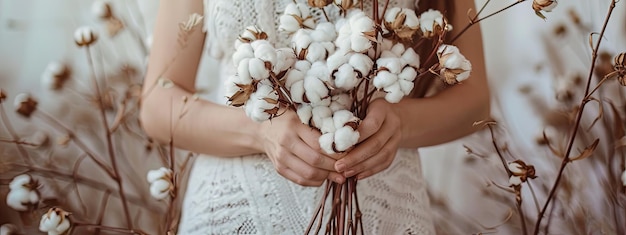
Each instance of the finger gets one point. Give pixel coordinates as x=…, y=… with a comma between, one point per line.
x=377, y=163
x=287, y=160
x=311, y=137
x=312, y=157
x=370, y=125
x=368, y=148
x=296, y=178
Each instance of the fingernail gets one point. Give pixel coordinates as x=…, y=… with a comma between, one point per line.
x=340, y=166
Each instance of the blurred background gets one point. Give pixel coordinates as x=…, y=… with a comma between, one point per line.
x=537, y=71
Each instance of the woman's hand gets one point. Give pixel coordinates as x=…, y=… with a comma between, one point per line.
x=295, y=152
x=380, y=136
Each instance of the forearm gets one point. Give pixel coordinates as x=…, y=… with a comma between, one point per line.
x=198, y=125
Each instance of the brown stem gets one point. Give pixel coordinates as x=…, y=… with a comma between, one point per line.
x=575, y=128
x=103, y=205
x=495, y=145
x=7, y=125
x=475, y=21
x=117, y=177
x=18, y=142
x=521, y=215
x=79, y=143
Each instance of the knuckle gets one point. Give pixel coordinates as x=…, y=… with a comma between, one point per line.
x=318, y=160
x=310, y=174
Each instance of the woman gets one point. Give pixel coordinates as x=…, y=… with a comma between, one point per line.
x=252, y=177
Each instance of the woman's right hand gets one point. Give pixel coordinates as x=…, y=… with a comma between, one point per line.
x=295, y=152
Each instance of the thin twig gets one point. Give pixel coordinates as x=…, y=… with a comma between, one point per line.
x=7, y=125
x=575, y=128
x=105, y=123
x=475, y=21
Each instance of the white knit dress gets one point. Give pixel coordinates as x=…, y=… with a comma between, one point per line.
x=245, y=195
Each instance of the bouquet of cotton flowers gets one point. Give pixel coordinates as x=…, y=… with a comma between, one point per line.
x=333, y=69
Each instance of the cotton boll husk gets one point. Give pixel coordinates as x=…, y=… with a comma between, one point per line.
x=341, y=117
x=346, y=77
x=316, y=52
x=20, y=181
x=243, y=70
x=337, y=59
x=266, y=52
x=394, y=93
x=406, y=86
x=384, y=79
x=231, y=87
x=324, y=32
x=345, y=138
x=361, y=63
x=297, y=91
x=249, y=32
x=160, y=189
x=393, y=64
x=408, y=74
x=258, y=71
x=340, y=101
x=305, y=113
x=285, y=58
x=326, y=142
x=243, y=51
x=411, y=58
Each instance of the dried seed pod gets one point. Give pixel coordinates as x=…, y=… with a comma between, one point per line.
x=3, y=96
x=620, y=61
x=544, y=5
x=55, y=75
x=25, y=104
x=102, y=9
x=85, y=36
x=319, y=3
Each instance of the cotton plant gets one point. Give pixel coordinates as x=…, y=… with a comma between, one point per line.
x=332, y=69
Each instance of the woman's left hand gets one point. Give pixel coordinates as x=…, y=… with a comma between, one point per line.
x=380, y=136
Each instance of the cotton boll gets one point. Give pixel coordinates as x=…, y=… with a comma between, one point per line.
x=327, y=125
x=342, y=117
x=463, y=76
x=384, y=79
x=408, y=74
x=394, y=93
x=20, y=181
x=55, y=222
x=346, y=77
x=345, y=138
x=361, y=63
x=285, y=58
x=258, y=71
x=244, y=50
x=288, y=23
x=515, y=180
x=316, y=52
x=324, y=32
x=301, y=39
x=319, y=114
x=326, y=142
x=406, y=86
x=388, y=54
x=320, y=71
x=297, y=91
x=393, y=64
x=266, y=53
x=411, y=58
x=337, y=59
x=359, y=43
x=305, y=113
x=19, y=199
x=430, y=22
x=411, y=19
x=292, y=77
x=343, y=42
x=243, y=70
x=391, y=14
x=157, y=174
x=302, y=65
x=398, y=49
x=316, y=90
